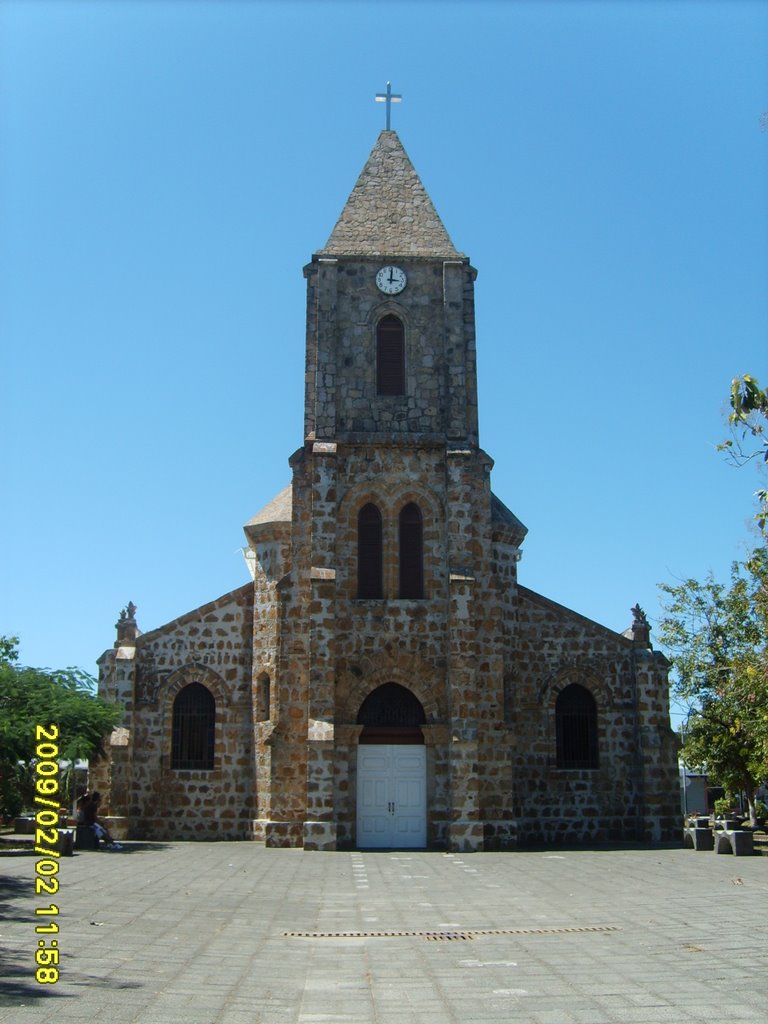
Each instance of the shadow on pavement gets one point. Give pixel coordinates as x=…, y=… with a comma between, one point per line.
x=129, y=846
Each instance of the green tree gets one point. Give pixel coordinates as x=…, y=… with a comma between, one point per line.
x=715, y=635
x=748, y=420
x=30, y=697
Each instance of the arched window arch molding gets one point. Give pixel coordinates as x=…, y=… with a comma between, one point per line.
x=589, y=675
x=390, y=497
x=195, y=673
x=388, y=308
x=391, y=704
x=357, y=497
x=410, y=672
x=212, y=681
x=425, y=498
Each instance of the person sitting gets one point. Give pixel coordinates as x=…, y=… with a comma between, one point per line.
x=100, y=829
x=94, y=830
x=85, y=837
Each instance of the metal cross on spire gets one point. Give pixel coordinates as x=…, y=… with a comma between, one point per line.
x=389, y=98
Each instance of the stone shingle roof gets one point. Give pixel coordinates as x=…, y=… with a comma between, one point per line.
x=276, y=511
x=502, y=516
x=389, y=212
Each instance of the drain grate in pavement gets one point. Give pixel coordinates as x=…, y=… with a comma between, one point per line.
x=453, y=936
x=564, y=930
x=431, y=936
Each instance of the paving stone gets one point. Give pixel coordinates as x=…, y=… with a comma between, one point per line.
x=685, y=944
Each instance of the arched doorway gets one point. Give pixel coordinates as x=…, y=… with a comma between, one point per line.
x=391, y=770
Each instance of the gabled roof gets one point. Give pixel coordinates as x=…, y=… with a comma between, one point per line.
x=279, y=510
x=389, y=212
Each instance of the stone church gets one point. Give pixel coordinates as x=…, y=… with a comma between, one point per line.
x=383, y=680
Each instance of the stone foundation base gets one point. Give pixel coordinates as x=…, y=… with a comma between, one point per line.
x=663, y=829
x=258, y=829
x=499, y=835
x=465, y=836
x=437, y=833
x=284, y=833
x=319, y=835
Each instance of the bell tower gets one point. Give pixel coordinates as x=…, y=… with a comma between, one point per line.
x=390, y=317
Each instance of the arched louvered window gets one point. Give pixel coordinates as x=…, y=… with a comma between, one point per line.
x=391, y=714
x=411, y=538
x=576, y=725
x=370, y=574
x=390, y=356
x=194, y=722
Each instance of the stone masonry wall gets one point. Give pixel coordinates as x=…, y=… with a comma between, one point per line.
x=555, y=647
x=485, y=658
x=210, y=646
x=335, y=649
x=437, y=311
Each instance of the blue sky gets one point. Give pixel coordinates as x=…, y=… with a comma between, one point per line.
x=167, y=169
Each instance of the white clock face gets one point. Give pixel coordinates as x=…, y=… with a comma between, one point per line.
x=391, y=280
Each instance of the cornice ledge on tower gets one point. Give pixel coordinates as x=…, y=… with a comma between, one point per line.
x=324, y=448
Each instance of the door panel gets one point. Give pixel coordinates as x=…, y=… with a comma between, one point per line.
x=391, y=796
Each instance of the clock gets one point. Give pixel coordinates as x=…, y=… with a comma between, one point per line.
x=391, y=280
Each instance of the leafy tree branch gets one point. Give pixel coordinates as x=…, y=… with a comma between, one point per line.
x=30, y=697
x=716, y=636
x=748, y=419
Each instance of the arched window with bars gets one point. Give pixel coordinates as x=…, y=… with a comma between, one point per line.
x=576, y=727
x=193, y=732
x=411, y=550
x=370, y=569
x=390, y=356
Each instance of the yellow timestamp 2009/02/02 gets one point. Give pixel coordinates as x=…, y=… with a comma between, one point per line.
x=47, y=805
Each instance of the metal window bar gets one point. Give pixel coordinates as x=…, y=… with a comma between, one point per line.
x=576, y=724
x=194, y=722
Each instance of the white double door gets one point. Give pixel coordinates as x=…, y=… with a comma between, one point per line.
x=391, y=795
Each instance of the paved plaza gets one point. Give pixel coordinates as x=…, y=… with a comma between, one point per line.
x=233, y=933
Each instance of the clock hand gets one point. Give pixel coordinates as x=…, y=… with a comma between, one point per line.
x=391, y=272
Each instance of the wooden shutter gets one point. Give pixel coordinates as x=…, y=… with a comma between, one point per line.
x=390, y=356
x=369, y=553
x=411, y=552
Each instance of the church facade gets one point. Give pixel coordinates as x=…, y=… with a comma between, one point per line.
x=383, y=680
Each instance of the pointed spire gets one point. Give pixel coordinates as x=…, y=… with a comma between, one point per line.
x=389, y=212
